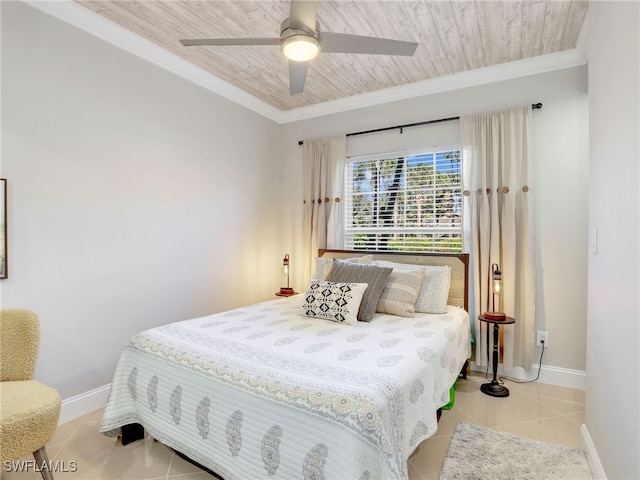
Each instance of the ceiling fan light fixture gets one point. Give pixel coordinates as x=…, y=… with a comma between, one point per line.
x=300, y=48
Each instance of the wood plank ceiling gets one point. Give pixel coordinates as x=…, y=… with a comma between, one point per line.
x=453, y=36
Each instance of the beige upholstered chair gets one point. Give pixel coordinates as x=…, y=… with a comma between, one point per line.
x=29, y=410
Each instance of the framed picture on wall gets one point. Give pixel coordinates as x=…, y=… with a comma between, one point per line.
x=3, y=228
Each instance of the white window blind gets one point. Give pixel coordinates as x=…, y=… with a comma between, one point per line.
x=404, y=203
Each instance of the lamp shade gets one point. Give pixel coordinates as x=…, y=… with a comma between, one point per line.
x=300, y=48
x=496, y=279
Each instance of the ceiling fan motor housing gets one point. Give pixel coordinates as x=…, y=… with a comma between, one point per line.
x=297, y=27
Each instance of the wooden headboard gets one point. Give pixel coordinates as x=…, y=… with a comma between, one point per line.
x=459, y=263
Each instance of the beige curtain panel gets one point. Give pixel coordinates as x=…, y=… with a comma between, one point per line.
x=497, y=151
x=323, y=177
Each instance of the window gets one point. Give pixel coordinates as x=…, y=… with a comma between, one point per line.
x=404, y=203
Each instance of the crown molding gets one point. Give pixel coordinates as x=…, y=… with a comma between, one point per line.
x=496, y=73
x=94, y=24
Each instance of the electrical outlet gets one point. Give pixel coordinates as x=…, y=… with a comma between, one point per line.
x=542, y=336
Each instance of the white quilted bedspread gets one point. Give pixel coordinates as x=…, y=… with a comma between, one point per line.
x=264, y=392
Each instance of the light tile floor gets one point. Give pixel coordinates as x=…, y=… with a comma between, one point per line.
x=534, y=410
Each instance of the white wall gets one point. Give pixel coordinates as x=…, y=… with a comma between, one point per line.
x=135, y=197
x=561, y=149
x=612, y=414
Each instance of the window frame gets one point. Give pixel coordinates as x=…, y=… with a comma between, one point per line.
x=428, y=234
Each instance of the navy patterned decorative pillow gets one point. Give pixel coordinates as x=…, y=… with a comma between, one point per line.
x=334, y=301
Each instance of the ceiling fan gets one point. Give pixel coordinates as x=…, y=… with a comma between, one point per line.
x=301, y=41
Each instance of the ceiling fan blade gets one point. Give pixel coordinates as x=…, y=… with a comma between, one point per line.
x=297, y=76
x=303, y=13
x=229, y=41
x=346, y=43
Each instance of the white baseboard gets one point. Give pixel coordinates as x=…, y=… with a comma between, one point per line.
x=80, y=405
x=592, y=455
x=563, y=377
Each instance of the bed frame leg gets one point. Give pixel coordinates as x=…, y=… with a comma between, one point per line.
x=131, y=433
x=463, y=372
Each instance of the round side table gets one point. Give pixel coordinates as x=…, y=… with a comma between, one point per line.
x=494, y=389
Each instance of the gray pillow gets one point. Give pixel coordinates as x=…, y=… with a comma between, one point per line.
x=374, y=277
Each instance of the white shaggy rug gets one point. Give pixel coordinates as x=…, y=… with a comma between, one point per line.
x=478, y=452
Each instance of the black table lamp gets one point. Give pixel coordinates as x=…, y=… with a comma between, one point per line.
x=496, y=289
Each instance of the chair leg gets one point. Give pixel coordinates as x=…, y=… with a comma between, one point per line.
x=43, y=463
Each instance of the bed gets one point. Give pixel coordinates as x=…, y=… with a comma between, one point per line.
x=265, y=391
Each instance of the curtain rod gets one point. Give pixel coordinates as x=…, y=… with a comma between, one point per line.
x=534, y=106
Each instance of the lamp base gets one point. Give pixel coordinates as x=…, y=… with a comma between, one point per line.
x=494, y=315
x=494, y=389
x=286, y=291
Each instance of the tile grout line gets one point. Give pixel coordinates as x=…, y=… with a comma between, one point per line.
x=69, y=437
x=415, y=469
x=498, y=427
x=173, y=454
x=538, y=398
x=567, y=416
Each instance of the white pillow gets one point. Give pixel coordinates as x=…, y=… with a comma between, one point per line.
x=434, y=291
x=334, y=301
x=401, y=292
x=323, y=265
